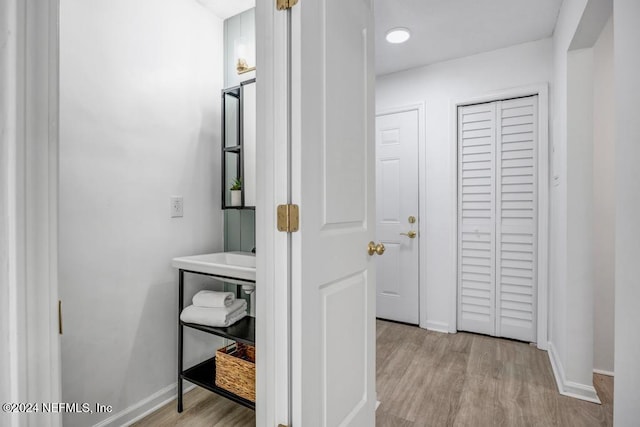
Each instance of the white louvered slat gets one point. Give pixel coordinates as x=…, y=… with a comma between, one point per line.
x=518, y=196
x=516, y=218
x=517, y=179
x=476, y=149
x=515, y=139
x=517, y=154
x=476, y=216
x=517, y=129
x=525, y=110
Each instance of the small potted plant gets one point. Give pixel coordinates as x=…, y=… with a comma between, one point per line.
x=236, y=192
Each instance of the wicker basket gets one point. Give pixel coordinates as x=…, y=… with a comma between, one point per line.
x=236, y=370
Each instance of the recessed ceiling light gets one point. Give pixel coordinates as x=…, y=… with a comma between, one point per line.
x=398, y=35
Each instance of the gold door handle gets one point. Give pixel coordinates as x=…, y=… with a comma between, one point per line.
x=375, y=249
x=411, y=234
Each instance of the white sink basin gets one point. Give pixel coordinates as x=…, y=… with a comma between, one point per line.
x=230, y=265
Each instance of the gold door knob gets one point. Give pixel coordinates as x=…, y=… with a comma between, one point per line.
x=375, y=249
x=411, y=234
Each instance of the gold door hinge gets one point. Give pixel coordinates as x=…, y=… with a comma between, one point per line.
x=285, y=4
x=60, y=317
x=288, y=218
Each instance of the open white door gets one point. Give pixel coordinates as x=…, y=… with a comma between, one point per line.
x=333, y=182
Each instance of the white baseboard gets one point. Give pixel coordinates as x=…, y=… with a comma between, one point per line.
x=570, y=388
x=603, y=372
x=437, y=326
x=143, y=408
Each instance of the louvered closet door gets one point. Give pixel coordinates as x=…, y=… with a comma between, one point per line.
x=517, y=205
x=497, y=217
x=476, y=218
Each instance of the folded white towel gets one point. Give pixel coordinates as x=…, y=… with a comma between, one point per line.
x=216, y=317
x=213, y=299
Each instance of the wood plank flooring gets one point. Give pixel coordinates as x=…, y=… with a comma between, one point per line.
x=430, y=379
x=201, y=408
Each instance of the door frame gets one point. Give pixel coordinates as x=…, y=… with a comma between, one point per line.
x=32, y=206
x=273, y=269
x=542, y=91
x=420, y=107
x=32, y=209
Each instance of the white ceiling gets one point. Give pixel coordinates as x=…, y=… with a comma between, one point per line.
x=447, y=29
x=227, y=8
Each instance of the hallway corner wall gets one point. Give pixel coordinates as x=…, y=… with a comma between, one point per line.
x=573, y=233
x=604, y=200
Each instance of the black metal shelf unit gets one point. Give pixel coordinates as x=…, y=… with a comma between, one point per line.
x=233, y=109
x=204, y=373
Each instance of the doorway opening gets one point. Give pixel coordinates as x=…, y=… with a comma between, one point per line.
x=157, y=162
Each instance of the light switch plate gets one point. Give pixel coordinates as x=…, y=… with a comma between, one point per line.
x=176, y=206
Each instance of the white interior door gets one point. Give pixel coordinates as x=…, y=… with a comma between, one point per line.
x=333, y=182
x=476, y=218
x=517, y=218
x=397, y=278
x=497, y=218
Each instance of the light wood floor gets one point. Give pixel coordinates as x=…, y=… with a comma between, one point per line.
x=201, y=408
x=430, y=379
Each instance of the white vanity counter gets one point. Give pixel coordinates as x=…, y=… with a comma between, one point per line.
x=228, y=265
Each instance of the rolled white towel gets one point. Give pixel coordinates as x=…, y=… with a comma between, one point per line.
x=237, y=316
x=213, y=299
x=216, y=317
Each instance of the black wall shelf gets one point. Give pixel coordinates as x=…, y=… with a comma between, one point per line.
x=204, y=375
x=243, y=331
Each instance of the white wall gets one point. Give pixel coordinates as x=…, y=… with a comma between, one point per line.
x=577, y=362
x=604, y=198
x=627, y=246
x=439, y=85
x=566, y=26
x=571, y=284
x=140, y=121
x=240, y=28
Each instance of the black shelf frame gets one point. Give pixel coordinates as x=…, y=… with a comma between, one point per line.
x=234, y=149
x=243, y=331
x=204, y=373
x=238, y=93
